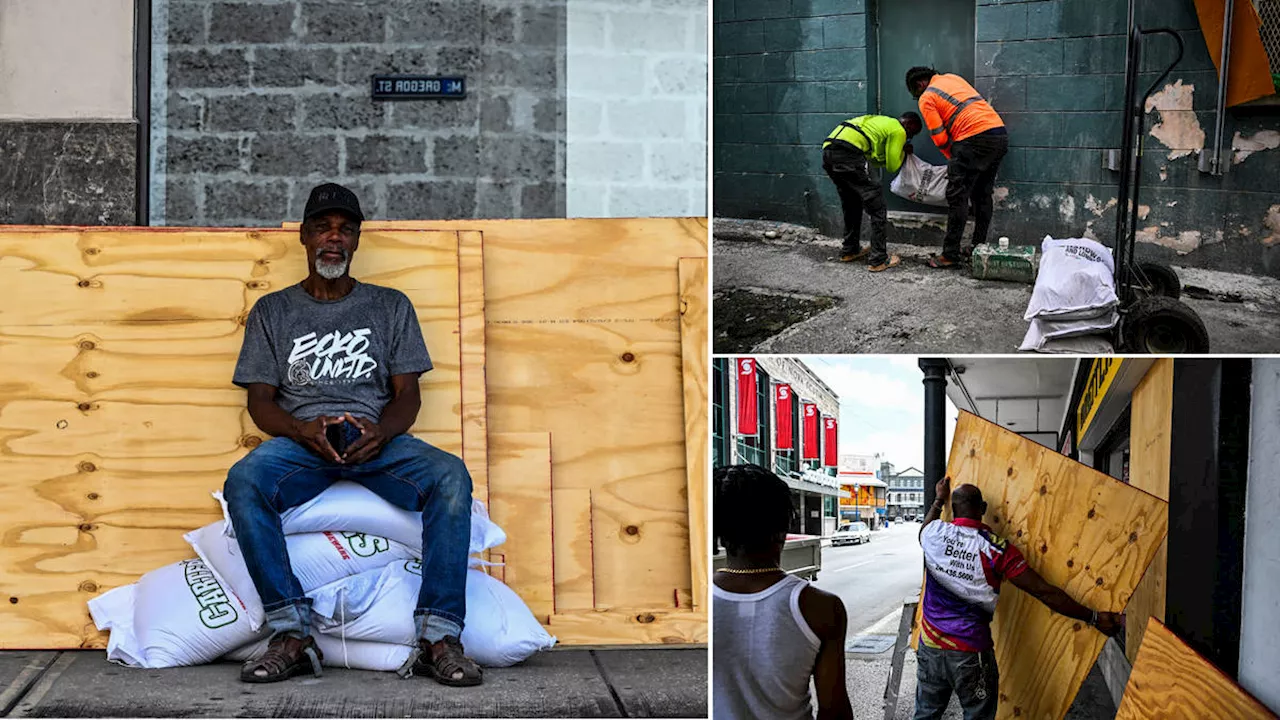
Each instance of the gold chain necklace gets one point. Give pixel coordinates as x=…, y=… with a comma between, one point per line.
x=749, y=571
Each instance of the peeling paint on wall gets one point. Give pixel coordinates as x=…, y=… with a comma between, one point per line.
x=1179, y=128
x=1067, y=208
x=1095, y=206
x=1164, y=173
x=1272, y=222
x=1143, y=211
x=1246, y=146
x=1000, y=195
x=1183, y=243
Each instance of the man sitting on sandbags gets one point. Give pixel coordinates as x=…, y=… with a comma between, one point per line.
x=331, y=366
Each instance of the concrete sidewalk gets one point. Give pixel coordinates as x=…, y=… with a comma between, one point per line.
x=568, y=683
x=779, y=288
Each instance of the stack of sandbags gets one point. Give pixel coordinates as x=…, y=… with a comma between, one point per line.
x=197, y=611
x=1073, y=304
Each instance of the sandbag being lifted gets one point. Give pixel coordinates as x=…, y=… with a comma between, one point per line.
x=918, y=181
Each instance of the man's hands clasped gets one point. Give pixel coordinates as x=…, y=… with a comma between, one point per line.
x=312, y=435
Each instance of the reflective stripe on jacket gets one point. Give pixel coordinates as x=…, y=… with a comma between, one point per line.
x=953, y=110
x=880, y=137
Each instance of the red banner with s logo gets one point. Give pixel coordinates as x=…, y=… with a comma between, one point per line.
x=783, y=397
x=810, y=412
x=829, y=442
x=748, y=417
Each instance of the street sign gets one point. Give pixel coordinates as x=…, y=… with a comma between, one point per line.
x=418, y=87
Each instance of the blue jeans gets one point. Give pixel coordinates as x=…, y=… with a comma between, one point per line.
x=408, y=473
x=973, y=676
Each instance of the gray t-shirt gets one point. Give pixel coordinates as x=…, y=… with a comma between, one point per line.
x=327, y=357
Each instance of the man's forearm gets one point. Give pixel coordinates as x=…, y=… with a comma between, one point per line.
x=399, y=414
x=273, y=419
x=935, y=511
x=1060, y=602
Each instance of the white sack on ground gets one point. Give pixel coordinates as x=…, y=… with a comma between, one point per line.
x=177, y=615
x=317, y=559
x=918, y=181
x=1042, y=331
x=353, y=654
x=1076, y=281
x=378, y=606
x=351, y=507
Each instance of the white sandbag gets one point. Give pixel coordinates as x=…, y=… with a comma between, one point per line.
x=317, y=559
x=1076, y=281
x=351, y=507
x=378, y=606
x=919, y=181
x=352, y=654
x=177, y=615
x=1042, y=331
x=1079, y=345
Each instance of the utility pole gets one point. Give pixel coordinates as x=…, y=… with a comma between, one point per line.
x=935, y=431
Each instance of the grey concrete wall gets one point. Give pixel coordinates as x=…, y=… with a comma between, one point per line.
x=1260, y=602
x=1054, y=70
x=255, y=102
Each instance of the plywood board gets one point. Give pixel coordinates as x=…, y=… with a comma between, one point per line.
x=1150, y=436
x=571, y=545
x=520, y=503
x=1083, y=531
x=1172, y=682
x=118, y=416
x=638, y=627
x=693, y=349
x=475, y=425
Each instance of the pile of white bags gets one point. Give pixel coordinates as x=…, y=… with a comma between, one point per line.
x=918, y=181
x=363, y=585
x=1073, y=305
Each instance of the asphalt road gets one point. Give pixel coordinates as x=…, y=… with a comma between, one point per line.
x=873, y=578
x=915, y=309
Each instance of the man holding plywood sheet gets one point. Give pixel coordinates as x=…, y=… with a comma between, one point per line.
x=965, y=563
x=331, y=366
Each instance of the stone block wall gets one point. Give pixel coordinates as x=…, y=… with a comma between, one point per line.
x=785, y=73
x=637, y=108
x=1054, y=70
x=254, y=102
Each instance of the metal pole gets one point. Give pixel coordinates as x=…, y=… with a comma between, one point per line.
x=935, y=430
x=1224, y=66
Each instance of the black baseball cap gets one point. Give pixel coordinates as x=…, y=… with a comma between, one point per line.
x=332, y=196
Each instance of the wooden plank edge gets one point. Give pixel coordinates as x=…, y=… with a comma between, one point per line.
x=629, y=627
x=473, y=390
x=693, y=353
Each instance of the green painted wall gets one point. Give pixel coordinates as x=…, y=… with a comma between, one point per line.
x=1054, y=71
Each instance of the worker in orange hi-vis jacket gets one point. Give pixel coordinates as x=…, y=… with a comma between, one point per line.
x=973, y=138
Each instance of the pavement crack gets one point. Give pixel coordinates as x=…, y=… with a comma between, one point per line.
x=608, y=681
x=24, y=682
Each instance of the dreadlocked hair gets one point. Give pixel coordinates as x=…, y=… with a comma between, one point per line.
x=751, y=508
x=917, y=74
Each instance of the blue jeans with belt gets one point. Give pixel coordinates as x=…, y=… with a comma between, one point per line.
x=408, y=473
x=972, y=675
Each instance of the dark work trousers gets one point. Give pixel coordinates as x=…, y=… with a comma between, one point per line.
x=848, y=168
x=971, y=177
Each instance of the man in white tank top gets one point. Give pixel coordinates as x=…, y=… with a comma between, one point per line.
x=965, y=563
x=772, y=632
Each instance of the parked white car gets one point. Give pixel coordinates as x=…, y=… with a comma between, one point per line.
x=851, y=534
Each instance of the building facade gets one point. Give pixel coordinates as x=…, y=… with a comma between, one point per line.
x=816, y=502
x=787, y=73
x=199, y=112
x=905, y=493
x=866, y=501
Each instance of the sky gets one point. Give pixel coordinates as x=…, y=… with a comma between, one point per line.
x=881, y=405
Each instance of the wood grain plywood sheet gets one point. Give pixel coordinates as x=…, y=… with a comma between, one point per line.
x=119, y=416
x=571, y=545
x=1172, y=682
x=475, y=425
x=1083, y=531
x=1150, y=436
x=693, y=348
x=638, y=627
x=520, y=503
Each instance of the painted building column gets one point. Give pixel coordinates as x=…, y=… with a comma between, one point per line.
x=935, y=418
x=1260, y=605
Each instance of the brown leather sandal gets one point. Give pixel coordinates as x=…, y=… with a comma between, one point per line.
x=286, y=657
x=852, y=257
x=446, y=663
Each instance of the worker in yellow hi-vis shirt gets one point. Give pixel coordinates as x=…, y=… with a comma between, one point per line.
x=846, y=156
